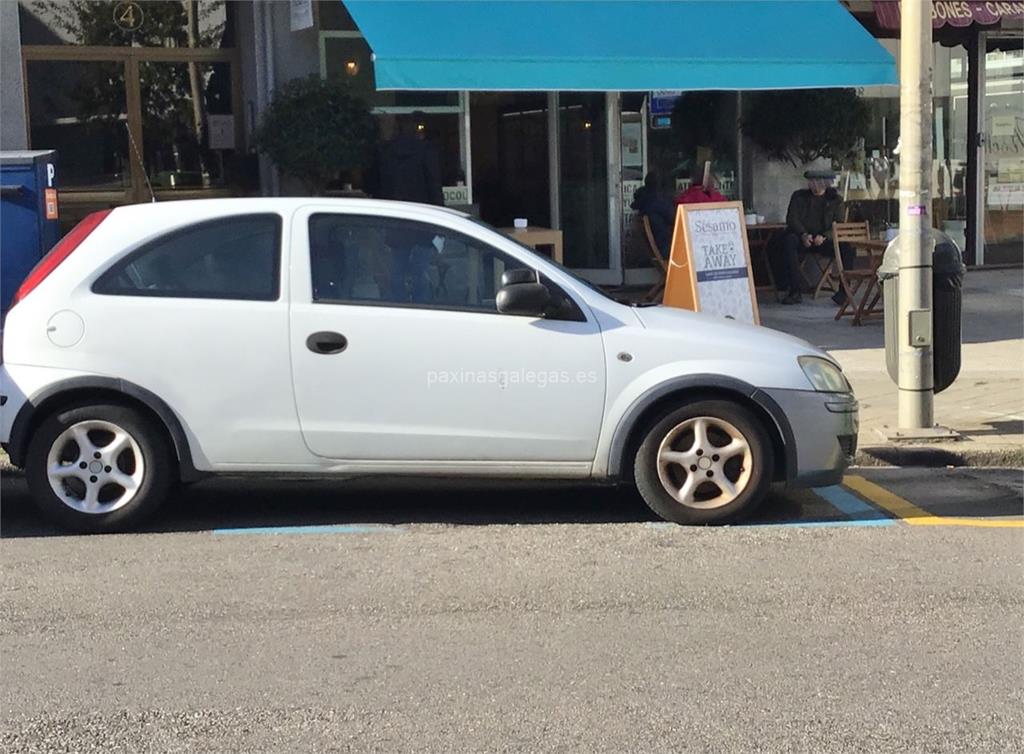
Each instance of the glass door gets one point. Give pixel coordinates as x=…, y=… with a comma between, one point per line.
x=584, y=190
x=188, y=125
x=511, y=178
x=1002, y=179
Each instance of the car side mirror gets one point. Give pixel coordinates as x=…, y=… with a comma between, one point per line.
x=524, y=299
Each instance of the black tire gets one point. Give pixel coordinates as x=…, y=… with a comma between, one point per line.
x=657, y=497
x=157, y=475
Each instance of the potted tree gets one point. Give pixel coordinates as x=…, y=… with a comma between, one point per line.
x=317, y=131
x=805, y=125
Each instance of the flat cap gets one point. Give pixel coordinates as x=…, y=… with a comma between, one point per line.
x=822, y=174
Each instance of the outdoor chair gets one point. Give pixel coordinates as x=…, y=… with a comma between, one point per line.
x=831, y=267
x=827, y=282
x=657, y=261
x=853, y=281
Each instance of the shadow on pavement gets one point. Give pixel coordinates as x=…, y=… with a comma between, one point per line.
x=954, y=493
x=241, y=503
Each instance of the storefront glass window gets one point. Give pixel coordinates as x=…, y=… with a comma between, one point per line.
x=117, y=23
x=583, y=169
x=345, y=54
x=510, y=157
x=672, y=159
x=870, y=183
x=187, y=122
x=1003, y=181
x=79, y=109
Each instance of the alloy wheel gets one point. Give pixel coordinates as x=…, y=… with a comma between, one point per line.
x=95, y=467
x=704, y=462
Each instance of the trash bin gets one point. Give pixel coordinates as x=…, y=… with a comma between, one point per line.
x=28, y=216
x=947, y=297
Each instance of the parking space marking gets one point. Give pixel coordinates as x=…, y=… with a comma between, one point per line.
x=851, y=505
x=843, y=522
x=324, y=529
x=911, y=514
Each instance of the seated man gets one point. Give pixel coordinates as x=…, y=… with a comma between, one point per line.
x=651, y=203
x=809, y=227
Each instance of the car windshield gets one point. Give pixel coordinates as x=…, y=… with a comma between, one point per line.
x=562, y=267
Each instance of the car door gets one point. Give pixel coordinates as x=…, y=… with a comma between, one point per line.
x=399, y=353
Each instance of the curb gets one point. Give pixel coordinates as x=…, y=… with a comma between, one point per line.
x=1007, y=456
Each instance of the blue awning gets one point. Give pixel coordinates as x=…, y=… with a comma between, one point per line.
x=618, y=45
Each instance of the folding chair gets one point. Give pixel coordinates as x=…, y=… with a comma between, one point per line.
x=852, y=281
x=657, y=261
x=831, y=268
x=825, y=273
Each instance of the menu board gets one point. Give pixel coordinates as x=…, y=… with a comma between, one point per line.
x=709, y=269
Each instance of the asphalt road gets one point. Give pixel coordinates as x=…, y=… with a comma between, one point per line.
x=426, y=618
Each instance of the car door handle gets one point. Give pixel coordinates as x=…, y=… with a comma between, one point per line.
x=326, y=342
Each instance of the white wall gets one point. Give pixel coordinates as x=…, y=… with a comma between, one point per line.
x=774, y=182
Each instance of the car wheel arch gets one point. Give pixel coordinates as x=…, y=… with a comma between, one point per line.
x=645, y=411
x=77, y=390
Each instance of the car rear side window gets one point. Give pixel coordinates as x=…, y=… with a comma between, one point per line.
x=237, y=257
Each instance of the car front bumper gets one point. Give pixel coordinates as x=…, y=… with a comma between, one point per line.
x=824, y=434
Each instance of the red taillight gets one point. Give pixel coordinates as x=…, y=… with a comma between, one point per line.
x=59, y=253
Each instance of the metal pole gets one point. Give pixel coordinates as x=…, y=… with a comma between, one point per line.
x=915, y=410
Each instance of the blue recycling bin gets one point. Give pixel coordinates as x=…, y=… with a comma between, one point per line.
x=28, y=216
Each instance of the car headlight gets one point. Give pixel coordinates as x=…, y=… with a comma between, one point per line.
x=823, y=375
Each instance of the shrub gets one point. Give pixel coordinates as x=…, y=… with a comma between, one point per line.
x=316, y=129
x=802, y=125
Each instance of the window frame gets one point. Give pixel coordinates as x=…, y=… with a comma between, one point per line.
x=119, y=265
x=575, y=315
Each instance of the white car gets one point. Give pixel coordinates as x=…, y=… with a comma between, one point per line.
x=160, y=343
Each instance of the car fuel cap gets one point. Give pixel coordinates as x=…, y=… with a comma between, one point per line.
x=65, y=328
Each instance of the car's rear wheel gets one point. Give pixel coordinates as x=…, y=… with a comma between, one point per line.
x=705, y=462
x=99, y=468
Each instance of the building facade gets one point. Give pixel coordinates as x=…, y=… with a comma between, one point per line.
x=159, y=100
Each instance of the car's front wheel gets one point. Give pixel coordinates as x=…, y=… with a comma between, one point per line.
x=705, y=462
x=99, y=468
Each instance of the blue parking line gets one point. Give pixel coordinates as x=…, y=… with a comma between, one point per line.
x=851, y=505
x=324, y=529
x=843, y=522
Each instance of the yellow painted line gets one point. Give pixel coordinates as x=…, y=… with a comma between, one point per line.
x=906, y=510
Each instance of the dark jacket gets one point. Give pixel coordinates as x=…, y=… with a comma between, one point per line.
x=661, y=213
x=407, y=168
x=811, y=214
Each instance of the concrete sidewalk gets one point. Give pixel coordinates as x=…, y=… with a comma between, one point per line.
x=985, y=404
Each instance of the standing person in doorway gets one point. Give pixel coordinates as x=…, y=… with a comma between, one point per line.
x=407, y=169
x=407, y=166
x=809, y=229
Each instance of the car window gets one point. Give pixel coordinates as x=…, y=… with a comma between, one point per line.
x=581, y=280
x=391, y=261
x=234, y=257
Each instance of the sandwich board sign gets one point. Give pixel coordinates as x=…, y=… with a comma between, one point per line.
x=709, y=268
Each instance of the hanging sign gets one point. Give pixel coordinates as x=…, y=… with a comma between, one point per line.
x=301, y=15
x=958, y=13
x=709, y=269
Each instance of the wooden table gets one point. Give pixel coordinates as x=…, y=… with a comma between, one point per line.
x=758, y=238
x=534, y=237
